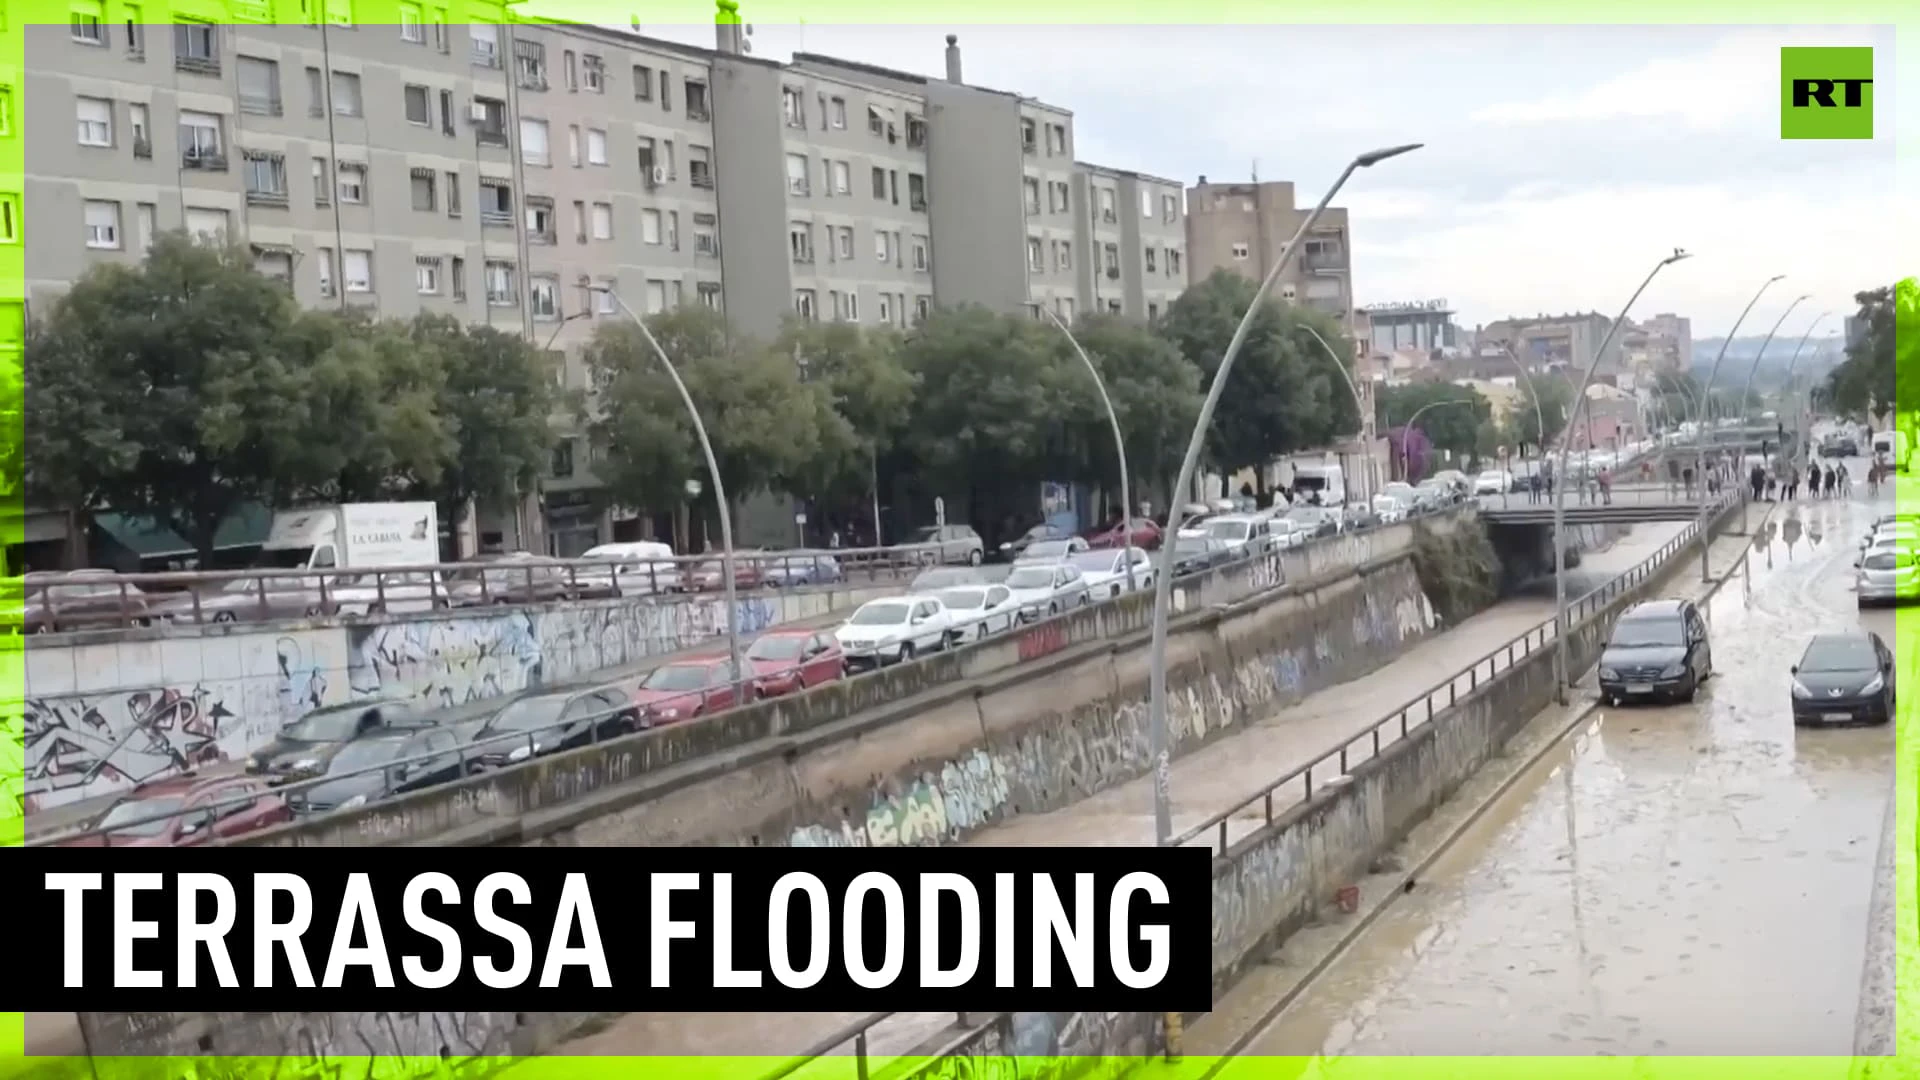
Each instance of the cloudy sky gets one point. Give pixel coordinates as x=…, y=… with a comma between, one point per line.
x=1561, y=162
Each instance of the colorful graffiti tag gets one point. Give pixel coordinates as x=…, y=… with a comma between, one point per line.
x=79, y=746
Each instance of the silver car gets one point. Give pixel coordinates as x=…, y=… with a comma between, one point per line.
x=1888, y=577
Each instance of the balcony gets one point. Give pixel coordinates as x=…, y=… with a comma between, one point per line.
x=1324, y=261
x=700, y=175
x=260, y=104
x=204, y=160
x=491, y=136
x=267, y=198
x=196, y=65
x=497, y=217
x=142, y=147
x=484, y=54
x=698, y=112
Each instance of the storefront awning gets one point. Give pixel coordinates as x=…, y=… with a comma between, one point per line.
x=245, y=527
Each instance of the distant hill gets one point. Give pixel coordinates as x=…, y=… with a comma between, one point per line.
x=1744, y=348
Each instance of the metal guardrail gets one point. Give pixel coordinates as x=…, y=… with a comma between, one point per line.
x=472, y=758
x=1423, y=708
x=856, y=1033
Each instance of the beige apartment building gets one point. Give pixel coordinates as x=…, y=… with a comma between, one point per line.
x=1243, y=227
x=507, y=174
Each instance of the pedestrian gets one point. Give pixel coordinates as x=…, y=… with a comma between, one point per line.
x=1828, y=481
x=1773, y=482
x=1846, y=481
x=1673, y=475
x=1873, y=479
x=1533, y=488
x=1605, y=480
x=1686, y=474
x=1757, y=480
x=1793, y=483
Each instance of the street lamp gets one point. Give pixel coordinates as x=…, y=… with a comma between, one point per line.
x=1798, y=437
x=1706, y=411
x=693, y=486
x=1564, y=675
x=1747, y=390
x=1539, y=421
x=1119, y=446
x=1160, y=762
x=1359, y=406
x=1408, y=426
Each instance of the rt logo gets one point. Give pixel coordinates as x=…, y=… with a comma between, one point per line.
x=1826, y=93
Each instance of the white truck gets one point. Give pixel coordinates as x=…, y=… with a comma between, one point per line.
x=356, y=536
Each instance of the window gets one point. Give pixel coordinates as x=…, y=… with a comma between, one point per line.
x=103, y=224
x=842, y=178
x=543, y=295
x=567, y=69
x=421, y=184
x=1029, y=136
x=593, y=73
x=88, y=22
x=1056, y=139
x=843, y=243
x=1150, y=252
x=1169, y=208
x=419, y=105
x=453, y=194
x=579, y=222
x=501, y=291
x=793, y=105
x=196, y=48
x=1064, y=306
x=96, y=121
x=273, y=262
x=6, y=110
x=603, y=220
x=207, y=224
x=603, y=297
x=426, y=275
x=353, y=183
x=136, y=32
x=1240, y=250
x=137, y=122
x=530, y=64
x=266, y=175
x=700, y=166
x=1146, y=204
x=876, y=121
x=642, y=83
x=200, y=144
x=1107, y=212
x=1031, y=187
x=491, y=126
x=656, y=297
x=709, y=294
x=144, y=224
x=804, y=304
x=797, y=174
x=533, y=142
x=837, y=113
x=356, y=270
x=496, y=202
x=1062, y=194
x=561, y=464
x=706, y=234
x=886, y=308
x=1036, y=257
x=853, y=306
x=1173, y=263
x=916, y=191
x=573, y=145
x=596, y=147
x=922, y=307
x=323, y=266
x=413, y=26
x=484, y=49
x=696, y=95
x=446, y=112
x=916, y=132
x=1063, y=258
x=800, y=241
x=346, y=94
x=457, y=270
x=316, y=93
x=1110, y=258
x=540, y=224
x=650, y=226
x=259, y=89
x=882, y=249
x=920, y=253
x=879, y=183
x=321, y=188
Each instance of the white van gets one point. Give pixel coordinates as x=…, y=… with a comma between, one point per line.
x=635, y=568
x=1892, y=447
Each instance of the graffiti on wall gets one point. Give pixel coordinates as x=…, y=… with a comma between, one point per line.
x=934, y=808
x=82, y=745
x=444, y=662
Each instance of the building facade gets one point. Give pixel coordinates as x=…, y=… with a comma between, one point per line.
x=524, y=176
x=1569, y=341
x=1243, y=227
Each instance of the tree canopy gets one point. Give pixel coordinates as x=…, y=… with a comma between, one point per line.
x=1865, y=382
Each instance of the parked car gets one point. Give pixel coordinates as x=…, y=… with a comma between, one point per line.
x=1315, y=521
x=942, y=577
x=1041, y=533
x=1839, y=446
x=186, y=810
x=387, y=763
x=1244, y=534
x=789, y=661
x=1147, y=535
x=1888, y=576
x=512, y=577
x=711, y=575
x=1844, y=678
x=1391, y=509
x=988, y=608
x=1046, y=589
x=1052, y=550
x=1195, y=551
x=795, y=568
x=245, y=599
x=949, y=544
x=633, y=568
x=895, y=629
x=687, y=688
x=1658, y=650
x=304, y=747
x=1105, y=572
x=1493, y=482
x=58, y=601
x=549, y=721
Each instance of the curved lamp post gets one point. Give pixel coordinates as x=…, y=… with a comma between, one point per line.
x=1359, y=406
x=1791, y=397
x=1163, y=577
x=1539, y=420
x=1560, y=489
x=713, y=473
x=1747, y=390
x=1408, y=426
x=1119, y=447
x=1706, y=412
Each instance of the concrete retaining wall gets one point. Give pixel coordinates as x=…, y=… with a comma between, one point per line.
x=106, y=711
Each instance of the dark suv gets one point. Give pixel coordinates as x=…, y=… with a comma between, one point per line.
x=1658, y=651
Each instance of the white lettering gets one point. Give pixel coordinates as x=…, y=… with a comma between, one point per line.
x=1155, y=935
x=73, y=888
x=426, y=925
x=667, y=929
x=127, y=930
x=267, y=933
x=1075, y=935
x=213, y=935
x=1003, y=931
x=576, y=907
x=357, y=907
x=931, y=974
x=723, y=972
x=507, y=930
x=819, y=922
x=894, y=923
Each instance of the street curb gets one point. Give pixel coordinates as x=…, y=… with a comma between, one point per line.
x=1360, y=925
x=1874, y=1017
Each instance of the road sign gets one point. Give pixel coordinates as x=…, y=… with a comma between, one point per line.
x=800, y=518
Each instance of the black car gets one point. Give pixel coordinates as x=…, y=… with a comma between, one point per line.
x=386, y=763
x=547, y=722
x=1013, y=549
x=1844, y=678
x=1658, y=651
x=1840, y=447
x=1192, y=554
x=303, y=748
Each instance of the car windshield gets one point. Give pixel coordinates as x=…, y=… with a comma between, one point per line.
x=879, y=615
x=777, y=647
x=1047, y=549
x=365, y=754
x=964, y=599
x=530, y=714
x=135, y=810
x=1229, y=530
x=1192, y=545
x=1094, y=562
x=1649, y=632
x=1840, y=654
x=1030, y=577
x=325, y=725
x=1889, y=560
x=926, y=535
x=677, y=677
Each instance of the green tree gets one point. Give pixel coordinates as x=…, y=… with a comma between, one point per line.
x=1156, y=398
x=866, y=392
x=1450, y=416
x=165, y=390
x=1865, y=382
x=1554, y=399
x=498, y=400
x=1282, y=394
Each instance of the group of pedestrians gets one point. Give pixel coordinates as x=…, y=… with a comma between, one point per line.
x=1596, y=486
x=1828, y=482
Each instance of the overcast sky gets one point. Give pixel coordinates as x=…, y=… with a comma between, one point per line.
x=1561, y=162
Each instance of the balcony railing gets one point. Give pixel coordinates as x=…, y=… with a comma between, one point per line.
x=698, y=111
x=491, y=136
x=204, y=160
x=267, y=198
x=196, y=65
x=142, y=148
x=496, y=217
x=1318, y=260
x=701, y=177
x=260, y=104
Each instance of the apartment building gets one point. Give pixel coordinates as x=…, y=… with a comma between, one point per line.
x=1243, y=227
x=526, y=176
x=1569, y=341
x=1134, y=228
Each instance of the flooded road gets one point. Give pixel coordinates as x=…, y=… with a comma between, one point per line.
x=1689, y=879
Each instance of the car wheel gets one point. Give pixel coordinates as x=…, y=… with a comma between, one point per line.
x=223, y=616
x=975, y=556
x=1693, y=689
x=1053, y=609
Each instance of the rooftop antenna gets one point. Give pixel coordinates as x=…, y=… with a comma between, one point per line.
x=1256, y=170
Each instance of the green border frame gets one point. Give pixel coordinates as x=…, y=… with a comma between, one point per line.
x=1900, y=67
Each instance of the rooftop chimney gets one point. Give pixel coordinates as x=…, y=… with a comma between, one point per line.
x=953, y=60
x=726, y=28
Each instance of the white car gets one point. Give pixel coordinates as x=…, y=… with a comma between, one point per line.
x=1244, y=534
x=1046, y=589
x=895, y=629
x=1390, y=509
x=980, y=610
x=1051, y=551
x=1105, y=571
x=1493, y=482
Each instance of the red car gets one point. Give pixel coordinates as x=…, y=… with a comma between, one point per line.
x=201, y=810
x=1146, y=535
x=685, y=689
x=711, y=576
x=789, y=661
